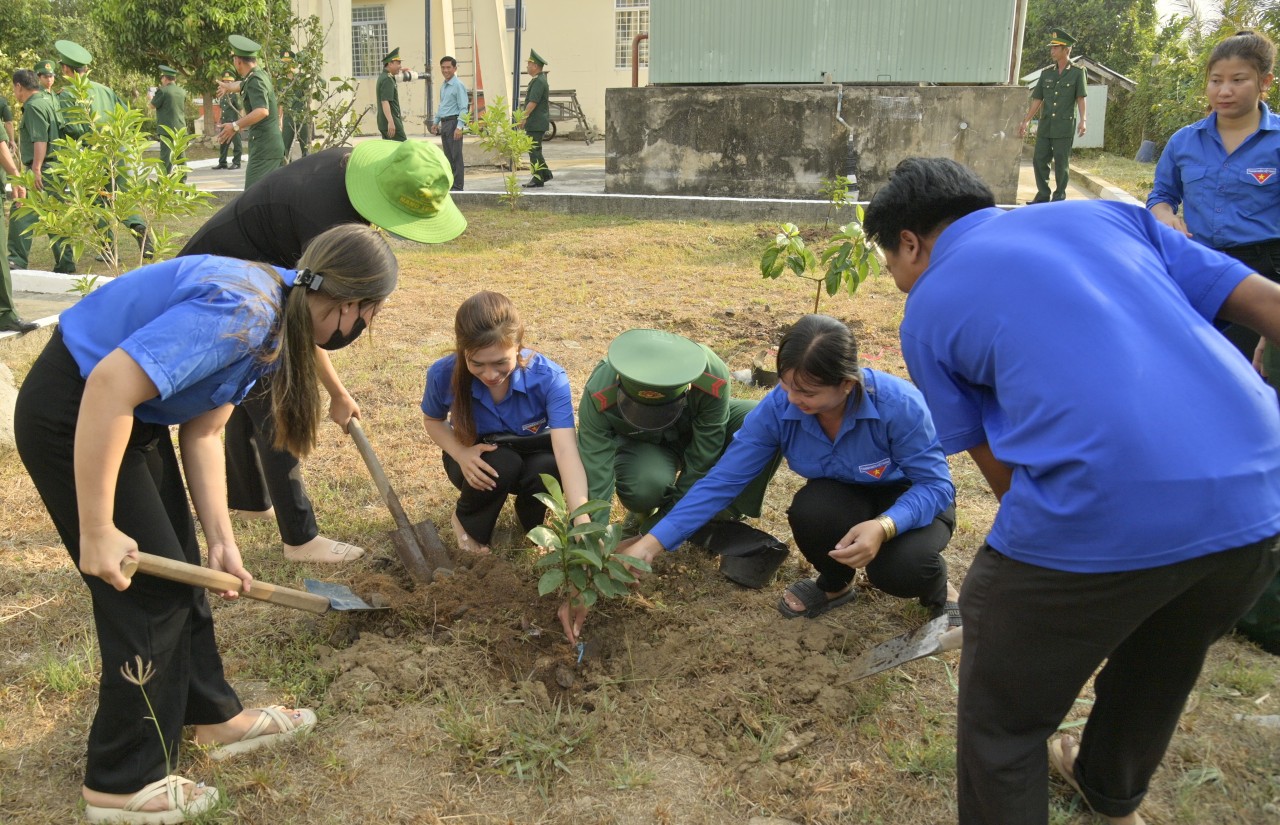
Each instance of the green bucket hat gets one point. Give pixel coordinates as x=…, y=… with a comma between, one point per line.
x=242, y=46
x=168, y=71
x=394, y=54
x=44, y=67
x=403, y=187
x=655, y=369
x=72, y=54
x=534, y=57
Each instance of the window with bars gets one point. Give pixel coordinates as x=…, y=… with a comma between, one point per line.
x=368, y=40
x=631, y=17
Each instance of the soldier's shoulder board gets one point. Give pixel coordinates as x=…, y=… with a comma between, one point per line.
x=712, y=385
x=605, y=398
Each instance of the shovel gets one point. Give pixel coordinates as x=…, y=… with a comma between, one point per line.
x=925, y=640
x=418, y=546
x=319, y=597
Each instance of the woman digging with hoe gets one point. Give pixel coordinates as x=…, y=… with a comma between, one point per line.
x=180, y=343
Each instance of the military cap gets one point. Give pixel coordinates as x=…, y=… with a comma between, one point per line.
x=394, y=54
x=44, y=67
x=654, y=370
x=72, y=54
x=242, y=46
x=168, y=71
x=1057, y=37
x=230, y=75
x=288, y=56
x=534, y=57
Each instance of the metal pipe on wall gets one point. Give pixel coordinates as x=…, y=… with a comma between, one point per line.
x=430, y=66
x=515, y=63
x=635, y=58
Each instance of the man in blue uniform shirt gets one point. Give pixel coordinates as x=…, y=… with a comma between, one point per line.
x=1136, y=457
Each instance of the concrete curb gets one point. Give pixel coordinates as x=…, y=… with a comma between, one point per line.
x=1102, y=188
x=661, y=206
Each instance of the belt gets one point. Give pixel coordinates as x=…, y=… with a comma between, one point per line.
x=1264, y=247
x=448, y=117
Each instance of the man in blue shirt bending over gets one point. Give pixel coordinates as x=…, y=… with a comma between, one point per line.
x=451, y=118
x=1135, y=454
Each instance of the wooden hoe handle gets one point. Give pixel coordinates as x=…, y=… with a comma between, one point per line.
x=218, y=581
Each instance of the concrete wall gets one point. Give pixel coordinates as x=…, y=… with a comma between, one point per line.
x=782, y=141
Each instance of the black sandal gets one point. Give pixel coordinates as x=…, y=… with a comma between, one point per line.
x=813, y=598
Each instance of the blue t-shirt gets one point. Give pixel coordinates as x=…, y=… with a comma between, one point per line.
x=1137, y=435
x=195, y=325
x=540, y=397
x=1227, y=200
x=889, y=439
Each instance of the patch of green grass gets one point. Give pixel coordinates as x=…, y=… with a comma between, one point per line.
x=71, y=672
x=1246, y=680
x=1130, y=175
x=932, y=755
x=628, y=775
x=540, y=744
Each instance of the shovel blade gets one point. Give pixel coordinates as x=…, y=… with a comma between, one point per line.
x=410, y=554
x=340, y=596
x=925, y=640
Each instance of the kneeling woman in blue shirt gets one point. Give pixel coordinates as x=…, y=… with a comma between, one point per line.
x=509, y=417
x=1224, y=171
x=178, y=342
x=879, y=494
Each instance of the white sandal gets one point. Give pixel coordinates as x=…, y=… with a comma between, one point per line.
x=170, y=786
x=255, y=738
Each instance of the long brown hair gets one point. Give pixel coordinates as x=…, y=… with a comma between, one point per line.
x=486, y=319
x=1252, y=47
x=356, y=264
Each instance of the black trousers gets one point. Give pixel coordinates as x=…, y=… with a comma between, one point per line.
x=517, y=476
x=909, y=567
x=453, y=150
x=169, y=625
x=1264, y=259
x=1034, y=636
x=260, y=476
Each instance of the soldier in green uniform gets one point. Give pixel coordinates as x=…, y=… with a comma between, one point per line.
x=1059, y=92
x=536, y=119
x=9, y=320
x=229, y=110
x=262, y=114
x=295, y=97
x=655, y=415
x=389, y=122
x=75, y=60
x=45, y=71
x=170, y=103
x=41, y=125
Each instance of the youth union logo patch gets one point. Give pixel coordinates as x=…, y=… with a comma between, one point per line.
x=1262, y=175
x=874, y=470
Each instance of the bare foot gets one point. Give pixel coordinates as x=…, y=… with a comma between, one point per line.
x=186, y=795
x=268, y=514
x=465, y=543
x=323, y=550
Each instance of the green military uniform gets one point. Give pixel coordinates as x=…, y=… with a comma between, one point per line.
x=41, y=123
x=170, y=102
x=266, y=147
x=388, y=92
x=6, y=122
x=538, y=121
x=655, y=416
x=8, y=312
x=102, y=101
x=1057, y=92
x=295, y=101
x=229, y=109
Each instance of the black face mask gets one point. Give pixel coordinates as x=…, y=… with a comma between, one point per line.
x=338, y=340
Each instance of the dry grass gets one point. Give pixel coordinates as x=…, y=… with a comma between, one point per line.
x=463, y=705
x=1128, y=174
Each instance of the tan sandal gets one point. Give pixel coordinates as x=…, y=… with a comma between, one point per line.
x=287, y=726
x=182, y=807
x=1062, y=758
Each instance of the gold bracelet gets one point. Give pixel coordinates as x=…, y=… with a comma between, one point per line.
x=889, y=526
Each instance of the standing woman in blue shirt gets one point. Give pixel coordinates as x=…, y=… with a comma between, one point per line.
x=1224, y=170
x=502, y=415
x=879, y=495
x=178, y=342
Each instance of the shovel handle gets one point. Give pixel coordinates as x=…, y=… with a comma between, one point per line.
x=219, y=582
x=379, y=477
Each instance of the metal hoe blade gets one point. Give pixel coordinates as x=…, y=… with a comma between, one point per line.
x=340, y=596
x=925, y=640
